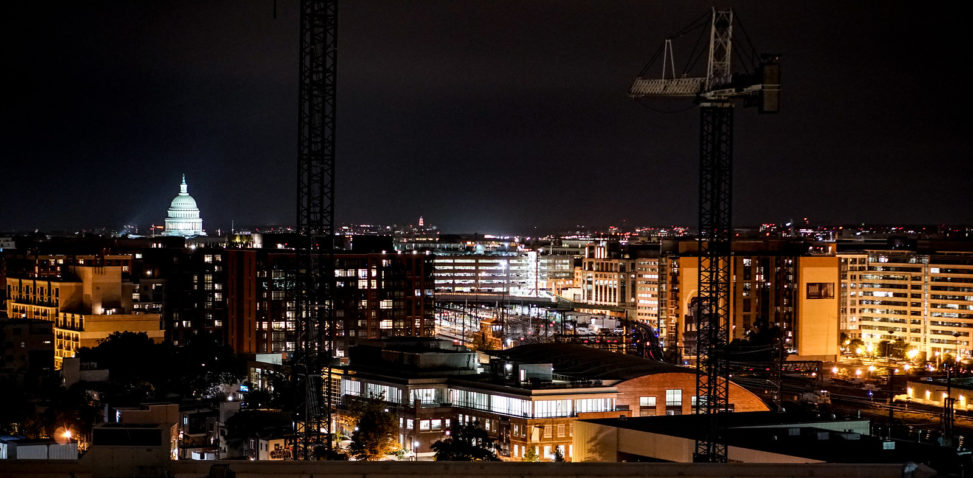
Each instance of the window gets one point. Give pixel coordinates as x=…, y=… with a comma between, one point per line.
x=424, y=424
x=437, y=424
x=548, y=431
x=593, y=405
x=560, y=430
x=820, y=290
x=424, y=395
x=552, y=408
x=647, y=401
x=386, y=392
x=673, y=398
x=409, y=424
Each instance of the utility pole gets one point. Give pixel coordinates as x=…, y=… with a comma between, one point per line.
x=891, y=398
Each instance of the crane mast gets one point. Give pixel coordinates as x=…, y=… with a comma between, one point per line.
x=314, y=282
x=715, y=94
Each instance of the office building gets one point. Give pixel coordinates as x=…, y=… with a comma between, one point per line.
x=527, y=397
x=923, y=298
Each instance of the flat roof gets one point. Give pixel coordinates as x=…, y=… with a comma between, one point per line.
x=587, y=362
x=775, y=433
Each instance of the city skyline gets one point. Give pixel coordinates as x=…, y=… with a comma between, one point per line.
x=483, y=117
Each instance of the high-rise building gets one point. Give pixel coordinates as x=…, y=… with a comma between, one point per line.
x=377, y=295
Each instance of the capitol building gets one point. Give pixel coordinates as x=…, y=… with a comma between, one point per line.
x=183, y=219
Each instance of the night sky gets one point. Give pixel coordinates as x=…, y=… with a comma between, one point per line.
x=489, y=116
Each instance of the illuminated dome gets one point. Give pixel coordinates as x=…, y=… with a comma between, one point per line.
x=184, y=217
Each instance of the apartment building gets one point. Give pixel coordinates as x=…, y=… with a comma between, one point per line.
x=86, y=304
x=924, y=298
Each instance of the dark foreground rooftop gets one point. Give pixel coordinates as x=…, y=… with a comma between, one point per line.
x=590, y=363
x=803, y=436
x=201, y=469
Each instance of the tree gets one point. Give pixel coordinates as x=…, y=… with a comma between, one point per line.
x=206, y=364
x=137, y=366
x=196, y=370
x=466, y=443
x=374, y=435
x=531, y=454
x=481, y=341
x=250, y=423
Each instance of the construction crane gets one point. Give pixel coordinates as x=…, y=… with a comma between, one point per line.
x=314, y=282
x=715, y=93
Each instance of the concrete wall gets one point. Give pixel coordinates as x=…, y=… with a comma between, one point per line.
x=603, y=443
x=817, y=320
x=101, y=287
x=99, y=327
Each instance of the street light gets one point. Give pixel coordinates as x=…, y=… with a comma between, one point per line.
x=948, y=401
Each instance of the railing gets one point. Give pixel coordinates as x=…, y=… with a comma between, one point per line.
x=669, y=87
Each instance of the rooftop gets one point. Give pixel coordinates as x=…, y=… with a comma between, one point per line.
x=788, y=434
x=588, y=363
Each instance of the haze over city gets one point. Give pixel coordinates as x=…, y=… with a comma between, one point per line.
x=486, y=116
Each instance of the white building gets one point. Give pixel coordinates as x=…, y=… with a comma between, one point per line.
x=183, y=219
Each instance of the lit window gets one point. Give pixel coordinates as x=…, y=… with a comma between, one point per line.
x=646, y=401
x=673, y=398
x=424, y=424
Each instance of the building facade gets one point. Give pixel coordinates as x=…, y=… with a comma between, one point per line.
x=787, y=286
x=922, y=298
x=86, y=304
x=525, y=398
